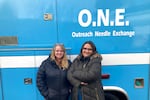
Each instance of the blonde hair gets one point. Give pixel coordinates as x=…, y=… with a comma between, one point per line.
x=64, y=62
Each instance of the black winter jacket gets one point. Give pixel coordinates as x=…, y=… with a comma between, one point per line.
x=86, y=70
x=52, y=81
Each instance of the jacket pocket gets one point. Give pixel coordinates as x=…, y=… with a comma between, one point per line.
x=89, y=93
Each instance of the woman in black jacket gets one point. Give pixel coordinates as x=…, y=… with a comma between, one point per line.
x=85, y=74
x=52, y=75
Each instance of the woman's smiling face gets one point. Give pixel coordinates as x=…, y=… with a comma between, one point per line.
x=87, y=50
x=59, y=52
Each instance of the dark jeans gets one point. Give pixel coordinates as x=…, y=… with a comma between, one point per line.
x=79, y=95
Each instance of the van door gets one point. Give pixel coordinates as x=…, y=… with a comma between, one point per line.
x=26, y=26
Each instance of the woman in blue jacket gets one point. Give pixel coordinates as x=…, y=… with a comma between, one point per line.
x=52, y=75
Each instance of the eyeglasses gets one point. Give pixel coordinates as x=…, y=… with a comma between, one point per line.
x=89, y=49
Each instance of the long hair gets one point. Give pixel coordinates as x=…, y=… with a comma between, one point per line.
x=64, y=62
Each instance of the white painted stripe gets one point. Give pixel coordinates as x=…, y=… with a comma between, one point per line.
x=17, y=61
x=39, y=59
x=124, y=59
x=108, y=59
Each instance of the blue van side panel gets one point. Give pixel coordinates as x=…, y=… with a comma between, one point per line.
x=25, y=20
x=14, y=86
x=124, y=77
x=13, y=79
x=136, y=12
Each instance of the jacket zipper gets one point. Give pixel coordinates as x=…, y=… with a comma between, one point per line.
x=59, y=83
x=97, y=98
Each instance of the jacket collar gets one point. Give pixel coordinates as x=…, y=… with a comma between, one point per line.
x=96, y=55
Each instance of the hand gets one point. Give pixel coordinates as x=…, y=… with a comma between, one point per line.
x=69, y=90
x=83, y=83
